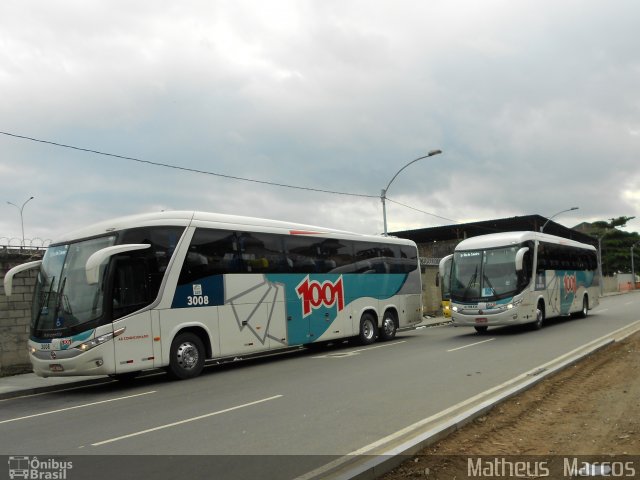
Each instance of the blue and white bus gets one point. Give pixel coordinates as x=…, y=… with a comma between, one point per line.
x=516, y=278
x=174, y=289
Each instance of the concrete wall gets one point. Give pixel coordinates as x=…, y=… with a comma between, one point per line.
x=15, y=313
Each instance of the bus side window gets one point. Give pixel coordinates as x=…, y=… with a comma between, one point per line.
x=211, y=252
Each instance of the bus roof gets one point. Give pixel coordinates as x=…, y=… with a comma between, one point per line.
x=218, y=220
x=494, y=240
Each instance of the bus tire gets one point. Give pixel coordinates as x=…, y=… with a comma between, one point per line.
x=389, y=326
x=585, y=307
x=481, y=329
x=368, y=329
x=537, y=325
x=187, y=356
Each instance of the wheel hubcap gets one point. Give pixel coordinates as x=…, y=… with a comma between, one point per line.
x=388, y=326
x=187, y=356
x=367, y=330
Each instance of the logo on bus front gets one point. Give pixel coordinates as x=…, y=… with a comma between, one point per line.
x=315, y=294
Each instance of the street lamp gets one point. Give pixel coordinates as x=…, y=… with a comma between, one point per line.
x=383, y=193
x=555, y=215
x=21, y=216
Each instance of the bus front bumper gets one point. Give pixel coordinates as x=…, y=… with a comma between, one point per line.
x=468, y=317
x=71, y=362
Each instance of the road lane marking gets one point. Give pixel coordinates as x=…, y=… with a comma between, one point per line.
x=405, y=440
x=76, y=407
x=338, y=354
x=470, y=345
x=186, y=420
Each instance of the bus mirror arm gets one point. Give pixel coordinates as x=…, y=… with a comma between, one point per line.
x=8, y=278
x=520, y=258
x=92, y=267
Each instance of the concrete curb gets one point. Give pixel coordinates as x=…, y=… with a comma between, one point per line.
x=374, y=460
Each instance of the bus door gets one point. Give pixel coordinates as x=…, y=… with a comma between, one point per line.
x=134, y=346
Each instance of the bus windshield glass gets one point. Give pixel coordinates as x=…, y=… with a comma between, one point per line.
x=484, y=275
x=64, y=302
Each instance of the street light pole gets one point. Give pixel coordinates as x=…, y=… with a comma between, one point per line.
x=383, y=192
x=555, y=215
x=21, y=209
x=606, y=232
x=600, y=264
x=633, y=270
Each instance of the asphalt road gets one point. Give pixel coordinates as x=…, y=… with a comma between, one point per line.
x=282, y=416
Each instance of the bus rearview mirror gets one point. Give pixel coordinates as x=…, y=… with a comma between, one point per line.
x=520, y=258
x=92, y=267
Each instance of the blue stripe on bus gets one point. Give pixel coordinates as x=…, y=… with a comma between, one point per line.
x=301, y=327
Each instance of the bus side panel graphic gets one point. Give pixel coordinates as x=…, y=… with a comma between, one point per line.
x=313, y=302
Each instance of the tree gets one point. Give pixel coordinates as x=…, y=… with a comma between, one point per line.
x=616, y=245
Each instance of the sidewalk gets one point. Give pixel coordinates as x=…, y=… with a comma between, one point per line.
x=30, y=384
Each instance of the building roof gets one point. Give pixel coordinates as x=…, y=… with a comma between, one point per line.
x=466, y=230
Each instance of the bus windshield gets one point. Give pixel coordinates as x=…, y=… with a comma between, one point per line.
x=484, y=275
x=63, y=299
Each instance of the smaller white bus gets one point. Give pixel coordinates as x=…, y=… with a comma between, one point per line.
x=517, y=278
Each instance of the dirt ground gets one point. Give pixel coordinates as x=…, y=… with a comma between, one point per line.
x=591, y=409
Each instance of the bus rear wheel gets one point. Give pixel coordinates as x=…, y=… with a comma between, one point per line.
x=187, y=356
x=585, y=307
x=389, y=328
x=368, y=329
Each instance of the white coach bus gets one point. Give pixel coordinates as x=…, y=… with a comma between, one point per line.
x=173, y=289
x=520, y=277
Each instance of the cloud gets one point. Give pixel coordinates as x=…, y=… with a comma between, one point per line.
x=534, y=104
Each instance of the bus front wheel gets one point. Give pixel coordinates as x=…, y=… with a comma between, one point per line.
x=187, y=356
x=537, y=325
x=368, y=329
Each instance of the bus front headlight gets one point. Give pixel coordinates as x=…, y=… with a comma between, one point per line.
x=93, y=343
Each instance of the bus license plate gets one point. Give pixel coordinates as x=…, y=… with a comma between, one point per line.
x=481, y=320
x=56, y=367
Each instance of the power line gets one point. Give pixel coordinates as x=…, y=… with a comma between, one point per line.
x=186, y=169
x=422, y=211
x=221, y=175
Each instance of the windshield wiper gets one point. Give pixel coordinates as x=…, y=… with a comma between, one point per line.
x=44, y=300
x=471, y=282
x=486, y=279
x=59, y=299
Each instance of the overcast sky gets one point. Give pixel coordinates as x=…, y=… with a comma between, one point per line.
x=535, y=105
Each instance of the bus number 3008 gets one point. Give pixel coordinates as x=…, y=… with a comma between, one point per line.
x=198, y=300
